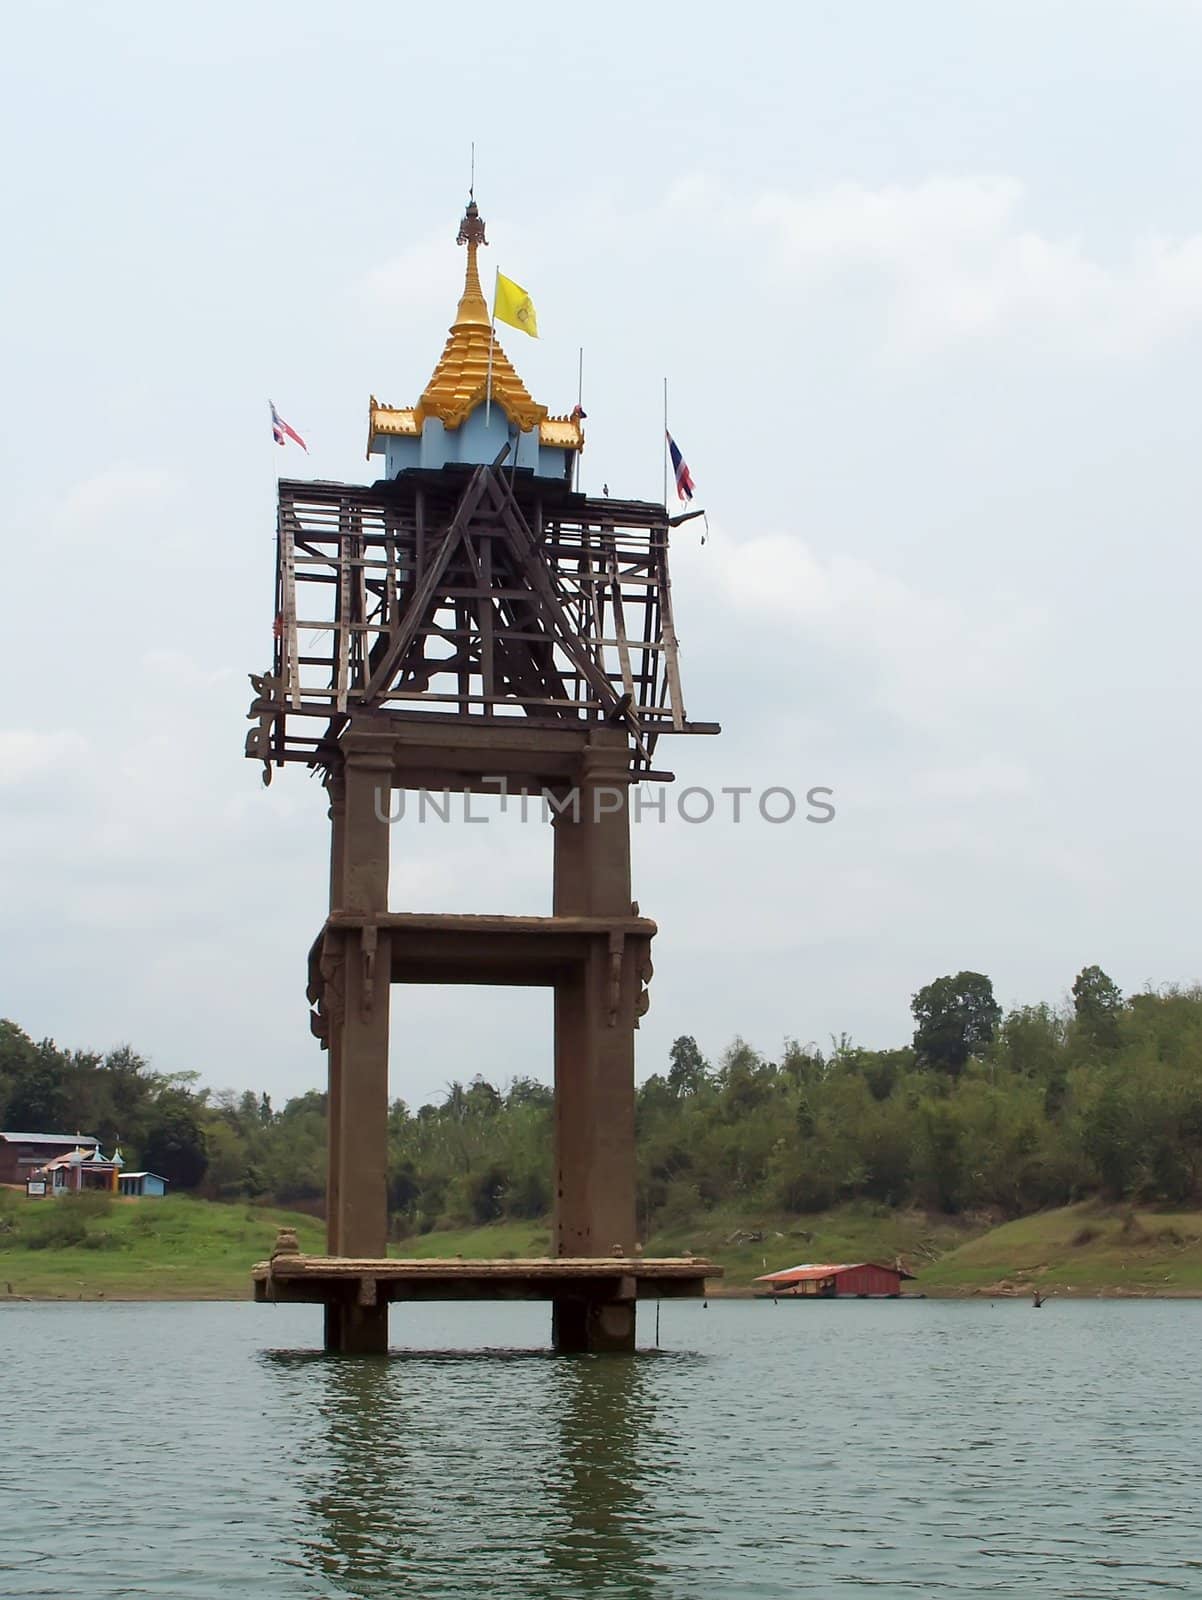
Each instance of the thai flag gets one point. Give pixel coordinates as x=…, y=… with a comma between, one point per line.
x=684, y=478
x=281, y=430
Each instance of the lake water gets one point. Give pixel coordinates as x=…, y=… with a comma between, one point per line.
x=923, y=1448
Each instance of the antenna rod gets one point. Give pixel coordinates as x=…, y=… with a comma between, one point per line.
x=579, y=408
x=665, y=442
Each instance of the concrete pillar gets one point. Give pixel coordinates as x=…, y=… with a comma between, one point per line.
x=593, y=1327
x=359, y=1213
x=355, y=1330
x=337, y=813
x=594, y=1210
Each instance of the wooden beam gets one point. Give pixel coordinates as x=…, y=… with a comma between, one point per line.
x=398, y=647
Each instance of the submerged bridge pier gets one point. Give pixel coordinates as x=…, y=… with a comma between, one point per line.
x=469, y=625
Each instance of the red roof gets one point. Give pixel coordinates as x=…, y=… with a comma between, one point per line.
x=809, y=1270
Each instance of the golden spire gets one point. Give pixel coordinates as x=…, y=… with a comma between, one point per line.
x=461, y=381
x=473, y=307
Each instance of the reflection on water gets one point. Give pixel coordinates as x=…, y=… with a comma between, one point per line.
x=430, y=1471
x=607, y=1453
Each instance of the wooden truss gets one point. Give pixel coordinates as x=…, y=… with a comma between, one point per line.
x=473, y=593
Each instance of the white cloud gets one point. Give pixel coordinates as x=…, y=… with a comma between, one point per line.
x=414, y=282
x=176, y=666
x=118, y=488
x=958, y=262
x=930, y=657
x=27, y=753
x=989, y=777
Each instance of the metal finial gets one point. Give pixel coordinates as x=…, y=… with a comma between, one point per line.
x=471, y=229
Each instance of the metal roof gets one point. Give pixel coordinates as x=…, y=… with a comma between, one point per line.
x=808, y=1270
x=49, y=1138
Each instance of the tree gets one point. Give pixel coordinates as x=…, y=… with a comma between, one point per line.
x=529, y=1092
x=955, y=1017
x=175, y=1146
x=37, y=1096
x=1097, y=1001
x=689, y=1071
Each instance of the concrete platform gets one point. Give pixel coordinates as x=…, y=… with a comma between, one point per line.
x=321, y=1279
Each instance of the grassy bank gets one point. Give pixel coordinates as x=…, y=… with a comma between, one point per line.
x=1083, y=1249
x=180, y=1248
x=170, y=1249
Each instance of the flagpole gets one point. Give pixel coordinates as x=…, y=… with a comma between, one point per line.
x=579, y=407
x=665, y=443
x=492, y=334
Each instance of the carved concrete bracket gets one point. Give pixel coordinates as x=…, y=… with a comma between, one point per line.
x=617, y=946
x=327, y=991
x=646, y=972
x=268, y=695
x=368, y=941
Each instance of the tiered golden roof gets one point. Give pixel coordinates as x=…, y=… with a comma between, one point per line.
x=460, y=381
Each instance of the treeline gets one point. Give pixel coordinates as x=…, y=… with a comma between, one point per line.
x=981, y=1111
x=157, y=1118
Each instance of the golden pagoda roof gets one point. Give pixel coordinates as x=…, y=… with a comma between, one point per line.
x=460, y=381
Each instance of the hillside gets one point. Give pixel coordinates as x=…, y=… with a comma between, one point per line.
x=171, y=1249
x=188, y=1249
x=1079, y=1250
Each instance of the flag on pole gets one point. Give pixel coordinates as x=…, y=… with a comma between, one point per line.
x=684, y=478
x=282, y=431
x=513, y=305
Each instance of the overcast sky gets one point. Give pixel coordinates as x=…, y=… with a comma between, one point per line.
x=927, y=283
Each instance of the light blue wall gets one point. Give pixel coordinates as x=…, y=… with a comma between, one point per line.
x=141, y=1187
x=551, y=461
x=474, y=442
x=400, y=454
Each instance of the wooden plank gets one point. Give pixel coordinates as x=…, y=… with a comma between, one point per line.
x=492, y=923
x=668, y=635
x=620, y=626
x=342, y=637
x=565, y=1268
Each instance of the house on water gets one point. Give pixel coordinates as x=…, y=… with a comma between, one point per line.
x=850, y=1280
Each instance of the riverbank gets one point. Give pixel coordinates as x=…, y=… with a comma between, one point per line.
x=180, y=1248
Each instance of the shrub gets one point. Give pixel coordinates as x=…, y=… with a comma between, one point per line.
x=63, y=1223
x=58, y=1226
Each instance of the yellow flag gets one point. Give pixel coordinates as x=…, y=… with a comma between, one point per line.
x=513, y=305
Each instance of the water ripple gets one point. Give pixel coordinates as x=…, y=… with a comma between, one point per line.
x=937, y=1449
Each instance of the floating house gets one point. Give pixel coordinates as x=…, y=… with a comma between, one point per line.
x=852, y=1280
x=22, y=1153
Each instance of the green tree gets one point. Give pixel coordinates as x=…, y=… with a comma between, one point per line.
x=689, y=1070
x=38, y=1099
x=954, y=1017
x=1098, y=1002
x=175, y=1146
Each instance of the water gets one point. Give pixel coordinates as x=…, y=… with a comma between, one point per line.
x=929, y=1448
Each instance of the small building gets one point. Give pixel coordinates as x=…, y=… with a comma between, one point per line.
x=78, y=1170
x=858, y=1280
x=141, y=1185
x=21, y=1153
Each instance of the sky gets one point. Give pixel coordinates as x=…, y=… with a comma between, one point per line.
x=926, y=282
